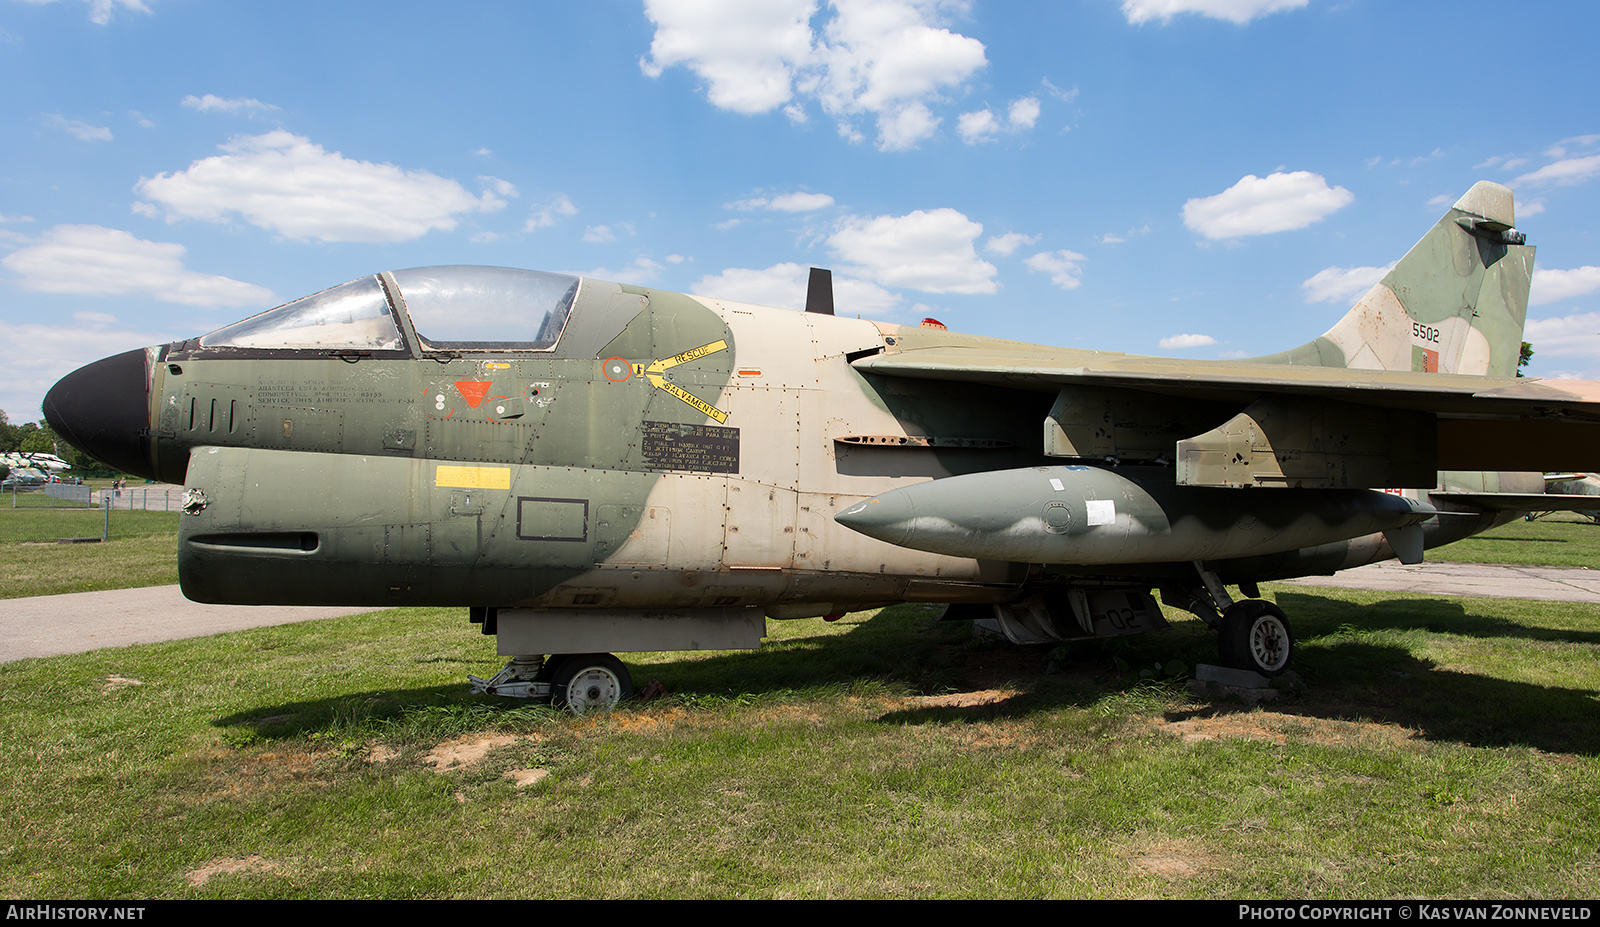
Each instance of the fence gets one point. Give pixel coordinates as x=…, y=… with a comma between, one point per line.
x=62, y=511
x=143, y=498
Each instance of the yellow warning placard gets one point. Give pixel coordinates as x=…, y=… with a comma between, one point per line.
x=473, y=477
x=655, y=372
x=696, y=401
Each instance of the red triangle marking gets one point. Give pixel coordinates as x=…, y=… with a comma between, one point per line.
x=473, y=391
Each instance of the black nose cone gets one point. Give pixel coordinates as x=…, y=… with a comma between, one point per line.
x=103, y=410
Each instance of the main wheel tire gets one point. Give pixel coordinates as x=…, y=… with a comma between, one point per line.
x=585, y=682
x=1256, y=637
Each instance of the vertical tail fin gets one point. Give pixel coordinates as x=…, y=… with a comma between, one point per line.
x=1454, y=304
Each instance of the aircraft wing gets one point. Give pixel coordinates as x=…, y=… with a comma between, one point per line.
x=1520, y=501
x=1420, y=422
x=1223, y=380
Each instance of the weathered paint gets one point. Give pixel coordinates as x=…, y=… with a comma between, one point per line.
x=671, y=452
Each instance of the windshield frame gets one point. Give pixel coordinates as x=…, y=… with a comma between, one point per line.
x=410, y=344
x=568, y=304
x=197, y=348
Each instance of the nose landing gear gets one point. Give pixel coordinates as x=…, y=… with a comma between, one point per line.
x=585, y=682
x=579, y=682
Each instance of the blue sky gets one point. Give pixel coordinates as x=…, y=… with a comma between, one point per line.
x=1203, y=178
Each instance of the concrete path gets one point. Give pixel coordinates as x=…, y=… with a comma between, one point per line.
x=57, y=624
x=47, y=625
x=1557, y=584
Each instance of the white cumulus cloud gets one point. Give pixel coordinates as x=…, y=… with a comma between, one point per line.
x=747, y=53
x=885, y=59
x=1007, y=244
x=1238, y=12
x=640, y=270
x=928, y=250
x=1024, y=113
x=1175, y=342
x=1565, y=171
x=55, y=350
x=784, y=286
x=1564, y=147
x=91, y=260
x=211, y=103
x=1062, y=266
x=890, y=58
x=1261, y=205
x=288, y=184
x=82, y=131
x=100, y=11
x=550, y=213
x=1576, y=335
x=783, y=202
x=984, y=126
x=907, y=125
x=978, y=127
x=1553, y=286
x=800, y=202
x=1336, y=284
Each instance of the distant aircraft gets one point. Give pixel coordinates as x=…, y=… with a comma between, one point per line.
x=1577, y=484
x=592, y=467
x=35, y=459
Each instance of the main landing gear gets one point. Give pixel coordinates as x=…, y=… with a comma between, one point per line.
x=579, y=682
x=1253, y=634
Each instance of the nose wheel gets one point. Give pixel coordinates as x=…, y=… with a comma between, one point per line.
x=579, y=682
x=589, y=682
x=1256, y=637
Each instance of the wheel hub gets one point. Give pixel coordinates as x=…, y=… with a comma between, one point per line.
x=594, y=689
x=1268, y=642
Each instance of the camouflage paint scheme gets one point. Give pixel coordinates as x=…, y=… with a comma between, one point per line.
x=675, y=455
x=356, y=454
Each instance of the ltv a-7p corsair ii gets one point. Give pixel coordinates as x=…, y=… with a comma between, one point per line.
x=592, y=467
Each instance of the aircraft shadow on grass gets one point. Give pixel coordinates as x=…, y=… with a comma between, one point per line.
x=1349, y=677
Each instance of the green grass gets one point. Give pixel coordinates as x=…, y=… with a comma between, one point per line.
x=1562, y=539
x=141, y=550
x=1442, y=748
x=49, y=524
x=36, y=516
x=48, y=568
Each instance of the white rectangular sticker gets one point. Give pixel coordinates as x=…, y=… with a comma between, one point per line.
x=1056, y=484
x=1101, y=511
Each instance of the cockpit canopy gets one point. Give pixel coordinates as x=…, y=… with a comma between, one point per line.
x=451, y=308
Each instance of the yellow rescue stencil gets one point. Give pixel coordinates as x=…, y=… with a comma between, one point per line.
x=473, y=477
x=655, y=372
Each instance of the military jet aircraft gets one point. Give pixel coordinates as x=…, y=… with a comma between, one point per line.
x=36, y=459
x=1578, y=484
x=592, y=467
